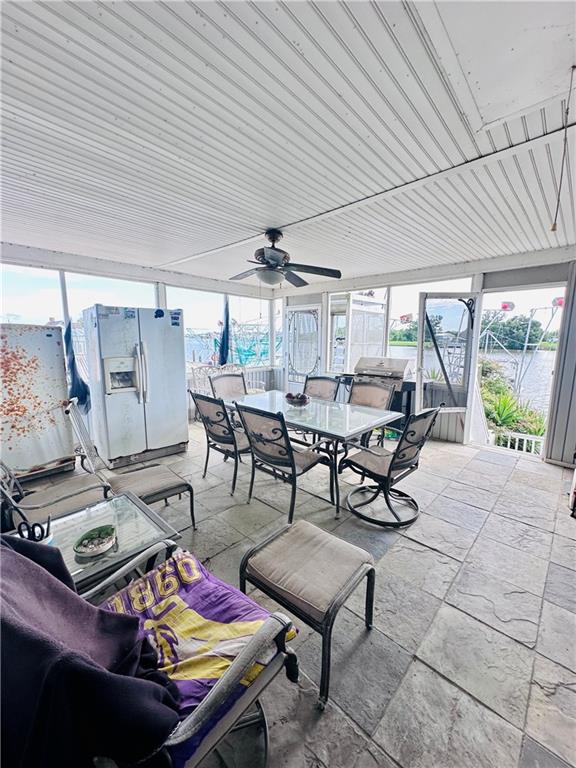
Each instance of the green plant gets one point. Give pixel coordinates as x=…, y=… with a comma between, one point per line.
x=433, y=374
x=489, y=369
x=531, y=421
x=505, y=410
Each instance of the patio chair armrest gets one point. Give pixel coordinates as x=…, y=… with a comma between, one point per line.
x=319, y=443
x=361, y=447
x=95, y=486
x=271, y=634
x=128, y=471
x=128, y=567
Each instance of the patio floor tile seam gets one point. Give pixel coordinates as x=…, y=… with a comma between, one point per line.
x=332, y=703
x=491, y=626
x=530, y=651
x=535, y=656
x=534, y=682
x=382, y=631
x=456, y=685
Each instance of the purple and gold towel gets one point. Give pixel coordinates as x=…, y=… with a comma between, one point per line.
x=197, y=624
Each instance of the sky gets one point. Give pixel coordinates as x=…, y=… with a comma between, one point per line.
x=33, y=296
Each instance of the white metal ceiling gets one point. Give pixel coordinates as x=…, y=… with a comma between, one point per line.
x=150, y=132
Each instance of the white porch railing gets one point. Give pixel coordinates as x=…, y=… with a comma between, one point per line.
x=517, y=441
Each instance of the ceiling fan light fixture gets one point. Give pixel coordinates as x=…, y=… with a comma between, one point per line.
x=271, y=276
x=276, y=265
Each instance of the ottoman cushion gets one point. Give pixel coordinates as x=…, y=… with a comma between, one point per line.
x=307, y=566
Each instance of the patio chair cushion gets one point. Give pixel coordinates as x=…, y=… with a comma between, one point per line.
x=374, y=465
x=307, y=566
x=305, y=460
x=146, y=482
x=49, y=496
x=241, y=441
x=198, y=625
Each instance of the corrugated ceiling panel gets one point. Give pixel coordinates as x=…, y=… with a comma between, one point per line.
x=154, y=131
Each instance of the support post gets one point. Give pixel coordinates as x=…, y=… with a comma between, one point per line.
x=160, y=295
x=64, y=297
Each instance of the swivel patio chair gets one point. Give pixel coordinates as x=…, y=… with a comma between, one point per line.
x=322, y=387
x=216, y=646
x=53, y=501
x=274, y=454
x=221, y=435
x=152, y=483
x=387, y=469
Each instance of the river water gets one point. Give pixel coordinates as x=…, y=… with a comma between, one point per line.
x=536, y=381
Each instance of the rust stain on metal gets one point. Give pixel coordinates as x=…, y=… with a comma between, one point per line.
x=21, y=409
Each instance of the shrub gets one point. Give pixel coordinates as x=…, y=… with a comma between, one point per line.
x=531, y=421
x=505, y=410
x=490, y=369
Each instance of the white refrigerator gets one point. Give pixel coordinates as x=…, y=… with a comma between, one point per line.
x=137, y=376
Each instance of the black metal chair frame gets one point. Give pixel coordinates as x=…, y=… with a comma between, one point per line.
x=218, y=443
x=324, y=627
x=385, y=483
x=136, y=568
x=92, y=463
x=357, y=383
x=12, y=496
x=331, y=379
x=284, y=468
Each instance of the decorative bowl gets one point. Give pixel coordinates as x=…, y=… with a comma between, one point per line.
x=96, y=541
x=298, y=400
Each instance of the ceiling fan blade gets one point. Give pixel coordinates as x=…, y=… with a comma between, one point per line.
x=296, y=280
x=248, y=273
x=324, y=271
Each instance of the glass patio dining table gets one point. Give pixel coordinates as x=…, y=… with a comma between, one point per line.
x=337, y=422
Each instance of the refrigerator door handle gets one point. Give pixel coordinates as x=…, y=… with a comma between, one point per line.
x=138, y=368
x=145, y=376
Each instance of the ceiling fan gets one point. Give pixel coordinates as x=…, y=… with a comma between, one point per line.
x=277, y=266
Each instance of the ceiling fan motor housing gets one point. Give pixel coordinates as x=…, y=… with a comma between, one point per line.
x=274, y=257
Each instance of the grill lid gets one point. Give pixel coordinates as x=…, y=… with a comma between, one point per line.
x=389, y=367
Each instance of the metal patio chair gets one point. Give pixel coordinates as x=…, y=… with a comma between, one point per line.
x=241, y=670
x=322, y=387
x=53, y=501
x=152, y=483
x=372, y=394
x=228, y=385
x=387, y=469
x=221, y=435
x=273, y=453
x=207, y=725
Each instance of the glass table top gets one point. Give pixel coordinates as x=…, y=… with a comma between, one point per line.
x=137, y=527
x=325, y=417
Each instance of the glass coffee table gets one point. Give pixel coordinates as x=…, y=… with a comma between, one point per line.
x=137, y=528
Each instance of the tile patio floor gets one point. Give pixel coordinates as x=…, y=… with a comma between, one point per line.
x=472, y=659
